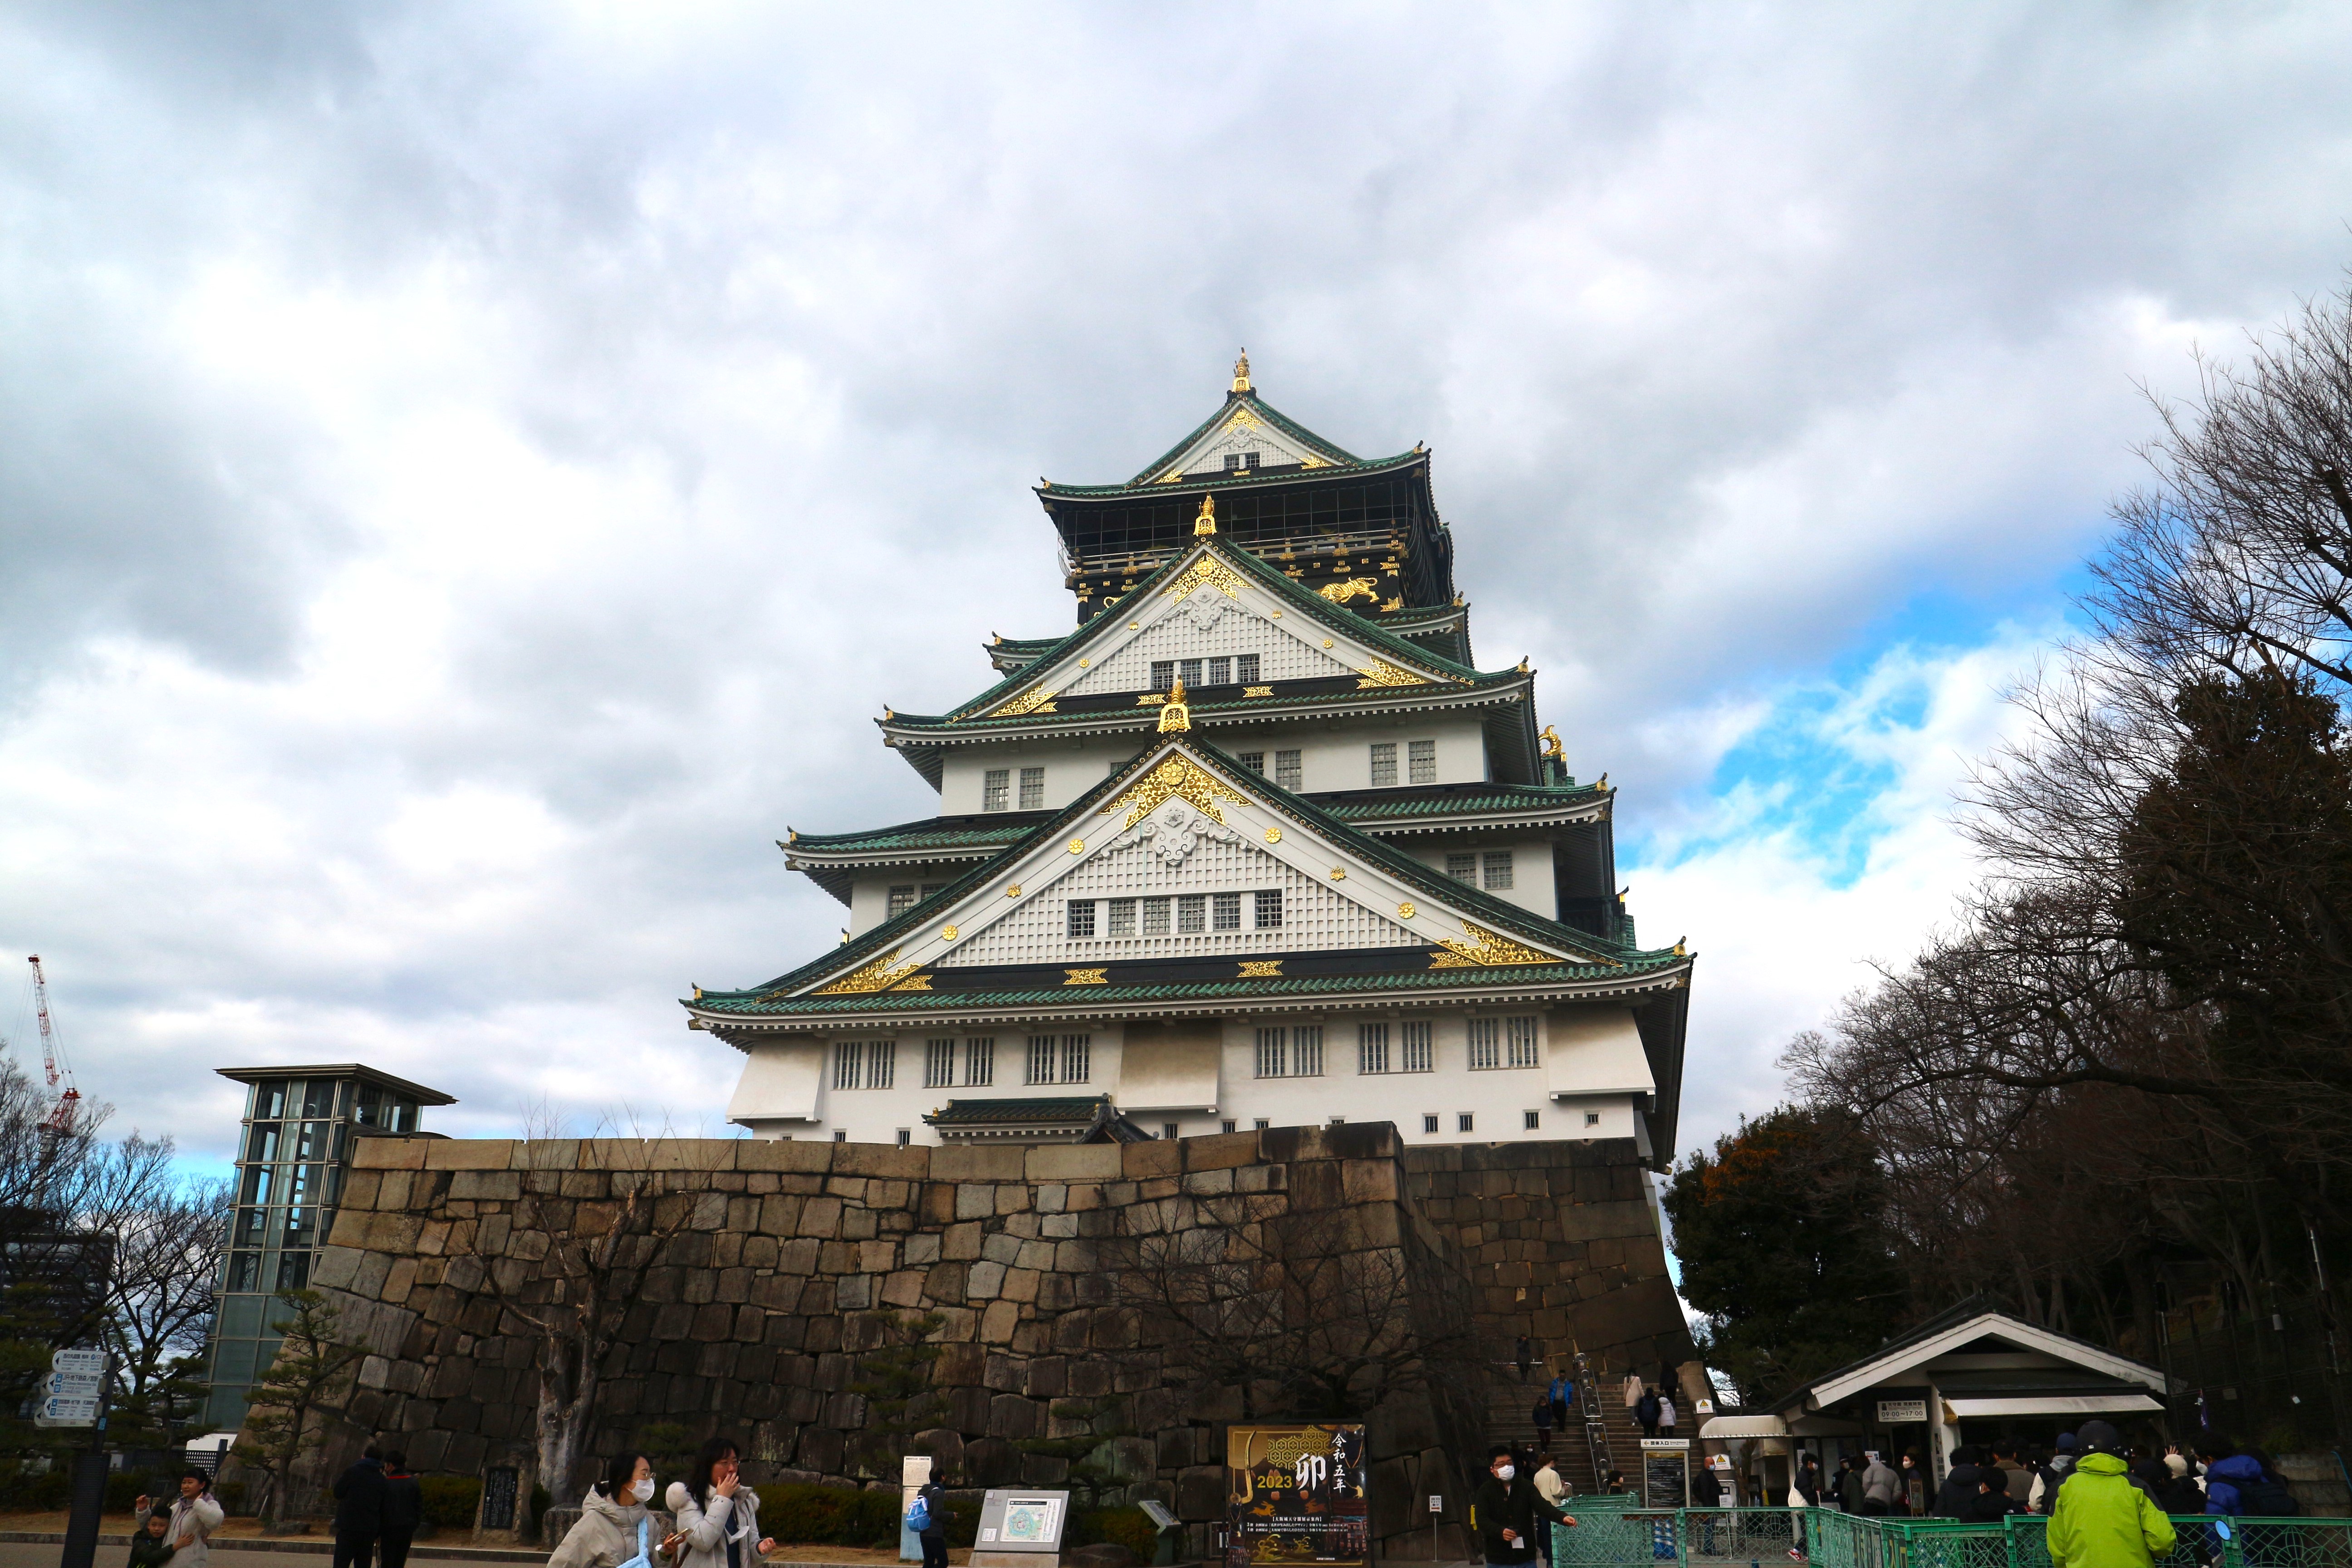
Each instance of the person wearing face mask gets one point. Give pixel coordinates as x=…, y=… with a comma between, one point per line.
x=718, y=1515
x=612, y=1530
x=1509, y=1511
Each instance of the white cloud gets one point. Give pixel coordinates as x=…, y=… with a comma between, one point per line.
x=473, y=474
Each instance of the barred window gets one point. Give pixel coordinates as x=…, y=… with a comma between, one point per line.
x=1273, y=1053
x=848, y=1063
x=1371, y=1048
x=1307, y=1051
x=1227, y=911
x=1288, y=772
x=1415, y=1050
x=1534, y=1120
x=1122, y=917
x=931, y=887
x=1192, y=912
x=1188, y=670
x=1498, y=868
x=996, y=789
x=1253, y=761
x=902, y=899
x=1428, y=1124
x=1042, y=1058
x=1082, y=917
x=1246, y=668
x=1268, y=910
x=1422, y=759
x=882, y=1065
x=1033, y=789
x=1383, y=763
x=1078, y=1058
x=1155, y=917
x=1463, y=869
x=1220, y=672
x=1163, y=674
x=980, y=1062
x=1519, y=1041
x=938, y=1064
x=1486, y=1043
x=1466, y=1122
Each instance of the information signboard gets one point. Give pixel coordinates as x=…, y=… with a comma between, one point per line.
x=1022, y=1521
x=1296, y=1495
x=1666, y=1473
x=1901, y=1411
x=500, y=1484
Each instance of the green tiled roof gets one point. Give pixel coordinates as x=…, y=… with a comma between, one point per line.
x=1486, y=797
x=1258, y=406
x=1507, y=918
x=1327, y=614
x=982, y=1112
x=932, y=833
x=747, y=1003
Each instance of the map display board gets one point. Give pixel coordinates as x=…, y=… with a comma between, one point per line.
x=1296, y=1495
x=1019, y=1519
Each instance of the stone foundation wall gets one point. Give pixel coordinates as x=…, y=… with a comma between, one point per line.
x=795, y=1259
x=1561, y=1242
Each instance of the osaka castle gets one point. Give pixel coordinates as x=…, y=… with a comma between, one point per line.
x=1259, y=843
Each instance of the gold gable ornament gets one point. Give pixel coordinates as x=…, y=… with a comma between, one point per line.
x=1241, y=372
x=881, y=975
x=1205, y=523
x=1484, y=950
x=1175, y=715
x=1178, y=778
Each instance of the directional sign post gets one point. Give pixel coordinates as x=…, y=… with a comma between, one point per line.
x=75, y=1396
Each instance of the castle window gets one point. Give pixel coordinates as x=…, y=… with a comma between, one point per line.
x=1307, y=1051
x=1033, y=789
x=1417, y=1054
x=1428, y=1124
x=1190, y=670
x=1274, y=1053
x=1463, y=869
x=1220, y=672
x=1286, y=770
x=1384, y=763
x=1534, y=1120
x=980, y=1062
x=1192, y=912
x=931, y=887
x=1255, y=761
x=1081, y=917
x=1268, y=913
x=1371, y=1048
x=1168, y=1130
x=906, y=1136
x=1226, y=1126
x=1466, y=1122
x=996, y=789
x=1155, y=917
x=1122, y=917
x=1163, y=674
x=1423, y=757
x=1078, y=1058
x=938, y=1064
x=1486, y=1043
x=1227, y=914
x=1246, y=668
x=902, y=897
x=1242, y=462
x=1519, y=1041
x=841, y=1134
x=1041, y=1058
x=848, y=1063
x=882, y=1065
x=1498, y=869
x=1592, y=1119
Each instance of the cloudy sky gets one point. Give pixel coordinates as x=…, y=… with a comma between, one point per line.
x=472, y=473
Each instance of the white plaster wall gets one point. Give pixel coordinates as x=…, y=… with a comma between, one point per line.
x=1072, y=768
x=1208, y=625
x=1496, y=1098
x=1531, y=886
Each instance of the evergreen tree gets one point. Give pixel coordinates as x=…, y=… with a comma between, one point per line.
x=1780, y=1233
x=311, y=1359
x=895, y=1381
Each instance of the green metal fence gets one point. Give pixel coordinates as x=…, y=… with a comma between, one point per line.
x=1615, y=1533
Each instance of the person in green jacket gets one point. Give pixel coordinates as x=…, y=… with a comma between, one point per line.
x=2101, y=1519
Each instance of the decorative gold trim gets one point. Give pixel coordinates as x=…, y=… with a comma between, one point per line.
x=1327, y=642
x=1339, y=873
x=1277, y=614
x=1552, y=747
x=1037, y=700
x=1352, y=588
x=698, y=992
x=1078, y=845
x=1242, y=418
x=1257, y=691
x=1205, y=525
x=1176, y=777
x=1085, y=663
x=1241, y=372
x=864, y=981
x=1380, y=672
x=1395, y=603
x=1486, y=951
x=1175, y=715
x=1085, y=977
x=918, y=983
x=1150, y=699
x=1274, y=836
x=1206, y=573
x=1405, y=911
x=1309, y=460
x=1014, y=891
x=948, y=933
x=1260, y=969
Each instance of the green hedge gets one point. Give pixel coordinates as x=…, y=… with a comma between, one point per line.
x=451, y=1501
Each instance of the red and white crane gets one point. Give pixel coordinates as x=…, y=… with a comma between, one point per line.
x=59, y=1123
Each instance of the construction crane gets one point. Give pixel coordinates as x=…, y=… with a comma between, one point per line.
x=59, y=1125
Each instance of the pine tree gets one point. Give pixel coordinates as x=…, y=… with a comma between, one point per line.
x=895, y=1381
x=312, y=1359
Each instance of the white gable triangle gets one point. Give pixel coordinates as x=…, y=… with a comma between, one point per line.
x=1241, y=431
x=1185, y=835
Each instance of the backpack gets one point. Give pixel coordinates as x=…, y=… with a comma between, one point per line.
x=918, y=1517
x=2267, y=1498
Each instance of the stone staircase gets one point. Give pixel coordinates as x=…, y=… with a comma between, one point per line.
x=1510, y=1418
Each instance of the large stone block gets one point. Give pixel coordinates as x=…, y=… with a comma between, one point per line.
x=912, y=1162
x=784, y=1155
x=468, y=1153
x=978, y=1163
x=1075, y=1163
x=1201, y=1492
x=375, y=1153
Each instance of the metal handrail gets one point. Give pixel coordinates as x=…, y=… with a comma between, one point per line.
x=1596, y=1427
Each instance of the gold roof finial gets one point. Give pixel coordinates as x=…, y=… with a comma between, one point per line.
x=1206, y=524
x=1551, y=743
x=1174, y=717
x=1241, y=372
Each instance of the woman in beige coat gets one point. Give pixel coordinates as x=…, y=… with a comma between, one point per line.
x=718, y=1515
x=195, y=1514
